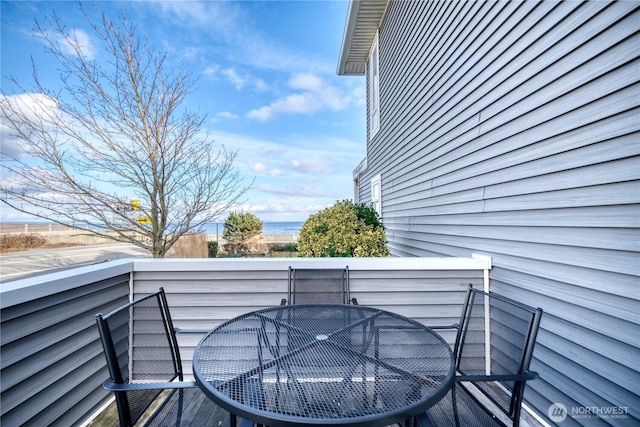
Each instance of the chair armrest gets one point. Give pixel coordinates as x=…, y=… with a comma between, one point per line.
x=453, y=326
x=190, y=331
x=507, y=377
x=111, y=386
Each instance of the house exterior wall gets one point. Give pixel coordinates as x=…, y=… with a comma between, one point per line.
x=510, y=129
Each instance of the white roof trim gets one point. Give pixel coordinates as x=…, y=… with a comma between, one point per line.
x=363, y=19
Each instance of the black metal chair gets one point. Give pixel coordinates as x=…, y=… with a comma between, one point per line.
x=493, y=351
x=144, y=363
x=319, y=286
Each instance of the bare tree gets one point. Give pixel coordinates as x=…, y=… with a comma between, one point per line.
x=113, y=148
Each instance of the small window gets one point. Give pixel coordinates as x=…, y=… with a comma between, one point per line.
x=374, y=90
x=376, y=194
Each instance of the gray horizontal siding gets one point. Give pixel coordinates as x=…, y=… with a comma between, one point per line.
x=204, y=294
x=53, y=367
x=52, y=363
x=512, y=129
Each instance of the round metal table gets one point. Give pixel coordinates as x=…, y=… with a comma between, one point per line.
x=324, y=364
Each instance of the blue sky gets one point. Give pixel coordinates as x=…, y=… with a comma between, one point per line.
x=267, y=83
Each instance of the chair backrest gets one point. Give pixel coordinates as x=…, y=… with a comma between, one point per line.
x=496, y=337
x=319, y=286
x=140, y=346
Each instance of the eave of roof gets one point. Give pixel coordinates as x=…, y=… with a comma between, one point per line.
x=363, y=20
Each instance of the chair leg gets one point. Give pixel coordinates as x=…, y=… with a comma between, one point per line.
x=455, y=406
x=411, y=422
x=241, y=422
x=422, y=420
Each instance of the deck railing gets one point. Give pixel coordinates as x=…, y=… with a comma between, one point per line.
x=52, y=366
x=52, y=362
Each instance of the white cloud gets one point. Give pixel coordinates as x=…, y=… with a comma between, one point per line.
x=36, y=107
x=319, y=149
x=224, y=115
x=238, y=79
x=217, y=17
x=306, y=81
x=291, y=180
x=317, y=95
x=227, y=115
x=76, y=41
x=259, y=167
x=9, y=145
x=262, y=168
x=262, y=114
x=359, y=96
x=233, y=76
x=190, y=52
x=299, y=103
x=31, y=105
x=231, y=22
x=297, y=192
x=211, y=70
x=283, y=211
x=315, y=165
x=261, y=85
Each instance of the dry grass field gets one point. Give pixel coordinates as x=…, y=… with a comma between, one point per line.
x=25, y=241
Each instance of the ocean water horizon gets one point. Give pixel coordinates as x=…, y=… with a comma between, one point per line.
x=211, y=228
x=268, y=227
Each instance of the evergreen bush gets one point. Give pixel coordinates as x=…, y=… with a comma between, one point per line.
x=239, y=229
x=284, y=247
x=213, y=248
x=345, y=229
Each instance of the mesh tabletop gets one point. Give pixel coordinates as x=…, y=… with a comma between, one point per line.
x=324, y=364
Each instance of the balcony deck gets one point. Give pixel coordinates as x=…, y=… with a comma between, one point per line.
x=52, y=365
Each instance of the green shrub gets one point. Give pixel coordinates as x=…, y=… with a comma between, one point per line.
x=345, y=229
x=284, y=247
x=239, y=228
x=213, y=248
x=233, y=254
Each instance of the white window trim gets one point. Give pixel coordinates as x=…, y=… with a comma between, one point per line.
x=374, y=88
x=357, y=179
x=376, y=194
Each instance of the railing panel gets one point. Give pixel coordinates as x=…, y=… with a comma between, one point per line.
x=203, y=294
x=52, y=364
